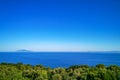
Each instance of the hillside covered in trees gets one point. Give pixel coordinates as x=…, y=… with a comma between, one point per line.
x=21, y=71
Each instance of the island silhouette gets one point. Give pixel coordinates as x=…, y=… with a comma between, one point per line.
x=23, y=50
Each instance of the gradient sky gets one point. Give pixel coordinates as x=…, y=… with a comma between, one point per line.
x=60, y=25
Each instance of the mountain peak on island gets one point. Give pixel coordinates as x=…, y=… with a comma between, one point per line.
x=23, y=50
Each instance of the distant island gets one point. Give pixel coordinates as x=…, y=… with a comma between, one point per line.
x=23, y=50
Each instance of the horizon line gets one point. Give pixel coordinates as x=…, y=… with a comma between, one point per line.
x=59, y=51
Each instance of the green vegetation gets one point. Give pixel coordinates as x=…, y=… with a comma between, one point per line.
x=21, y=71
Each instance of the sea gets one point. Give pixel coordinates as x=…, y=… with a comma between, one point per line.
x=61, y=59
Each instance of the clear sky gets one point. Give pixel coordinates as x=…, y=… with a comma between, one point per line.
x=60, y=25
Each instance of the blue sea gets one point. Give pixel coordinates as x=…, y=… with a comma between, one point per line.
x=61, y=59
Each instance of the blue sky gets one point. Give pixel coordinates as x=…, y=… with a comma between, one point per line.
x=60, y=25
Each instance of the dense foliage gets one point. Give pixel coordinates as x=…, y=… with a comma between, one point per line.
x=21, y=71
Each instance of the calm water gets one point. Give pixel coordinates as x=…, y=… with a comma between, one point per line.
x=60, y=59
